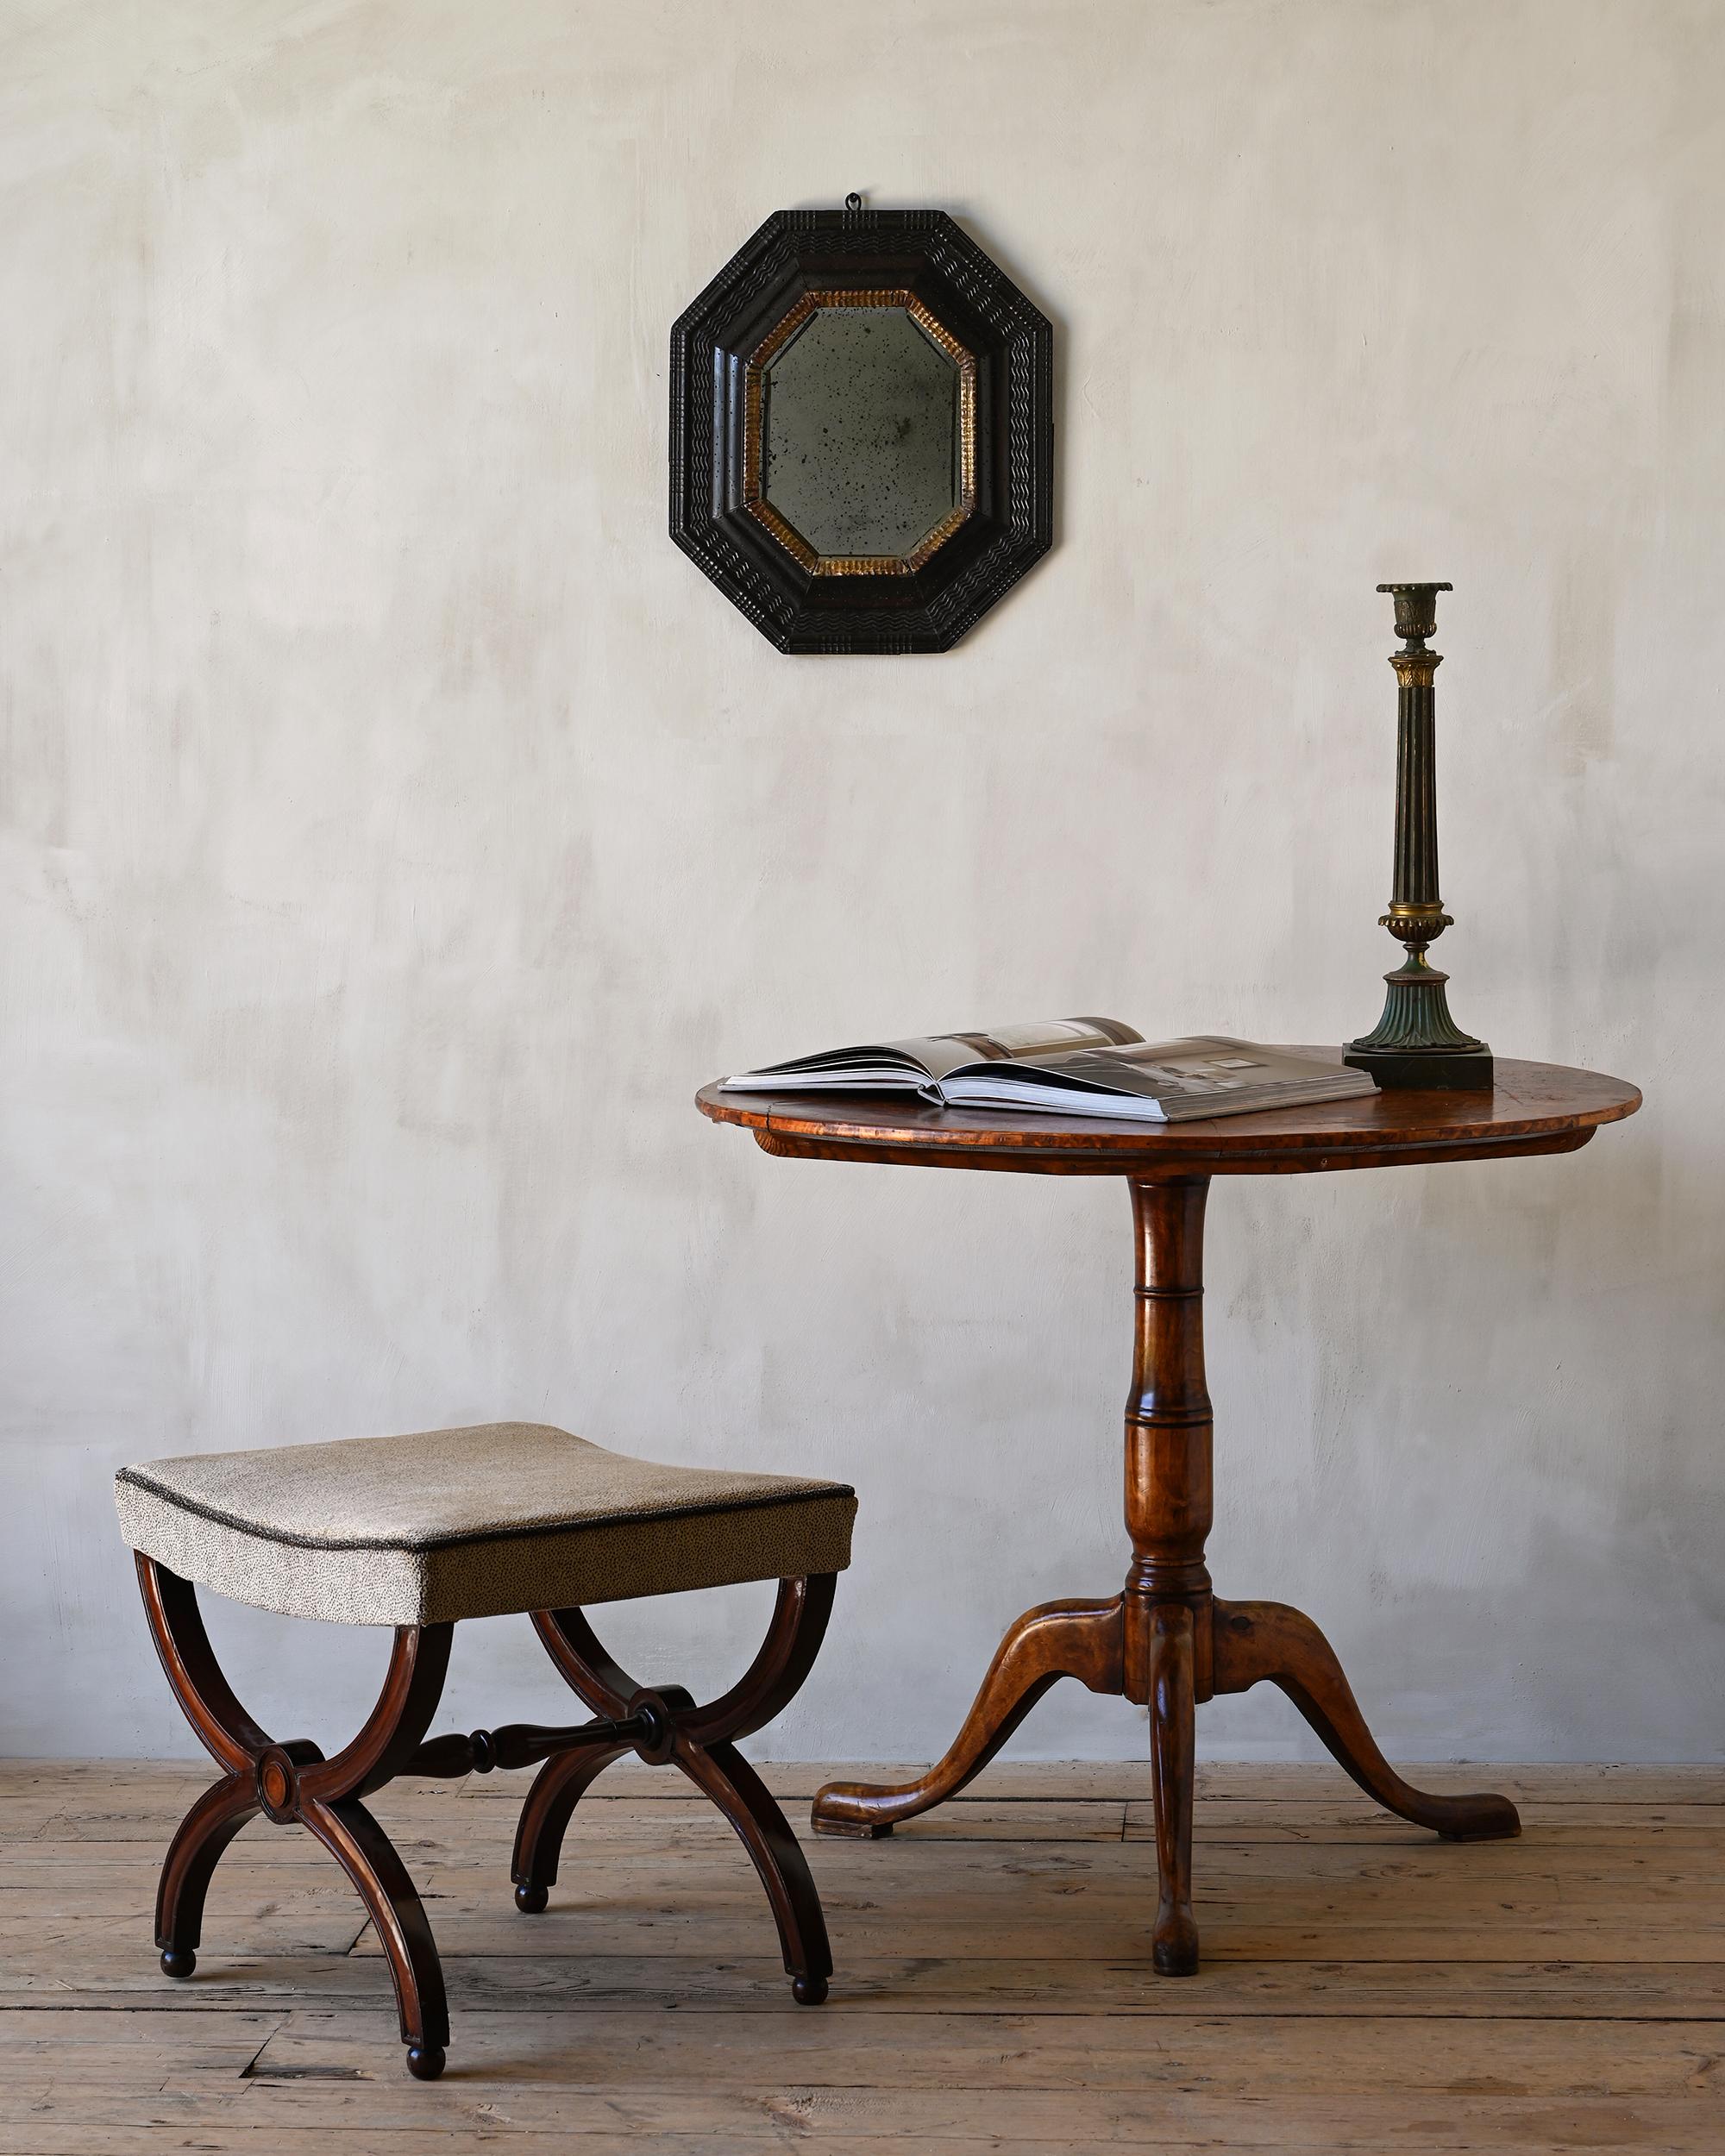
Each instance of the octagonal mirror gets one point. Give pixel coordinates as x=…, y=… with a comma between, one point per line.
x=862, y=440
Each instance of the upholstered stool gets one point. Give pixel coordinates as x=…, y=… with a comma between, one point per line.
x=417, y=1532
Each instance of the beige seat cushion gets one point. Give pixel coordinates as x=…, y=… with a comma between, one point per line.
x=448, y=1524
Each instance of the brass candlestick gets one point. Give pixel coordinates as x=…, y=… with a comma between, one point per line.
x=1417, y=1043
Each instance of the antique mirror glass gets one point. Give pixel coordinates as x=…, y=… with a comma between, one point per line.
x=862, y=451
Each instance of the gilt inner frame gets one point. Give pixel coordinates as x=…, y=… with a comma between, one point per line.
x=755, y=373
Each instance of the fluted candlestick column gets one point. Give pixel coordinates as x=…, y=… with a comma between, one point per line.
x=1417, y=1043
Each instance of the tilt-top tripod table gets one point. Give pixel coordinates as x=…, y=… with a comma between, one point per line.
x=1166, y=1641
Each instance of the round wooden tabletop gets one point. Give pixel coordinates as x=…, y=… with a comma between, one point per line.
x=1534, y=1108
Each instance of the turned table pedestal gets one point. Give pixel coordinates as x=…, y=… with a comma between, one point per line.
x=1166, y=1641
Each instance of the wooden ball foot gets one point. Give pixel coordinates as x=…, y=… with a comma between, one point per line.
x=532, y=1900
x=425, y=2061
x=178, y=1962
x=809, y=1990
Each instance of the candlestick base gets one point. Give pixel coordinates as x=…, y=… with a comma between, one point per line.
x=1416, y=1044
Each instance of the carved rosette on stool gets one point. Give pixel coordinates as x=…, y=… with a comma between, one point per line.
x=1417, y=1043
x=1166, y=1642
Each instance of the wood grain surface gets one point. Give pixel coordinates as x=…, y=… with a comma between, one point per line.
x=1370, y=1991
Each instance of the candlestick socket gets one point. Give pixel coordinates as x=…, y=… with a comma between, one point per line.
x=1416, y=610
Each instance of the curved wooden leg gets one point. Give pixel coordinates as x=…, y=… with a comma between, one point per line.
x=326, y=1800
x=584, y=1663
x=1255, y=1641
x=294, y=1783
x=227, y=1732
x=1174, y=1947
x=720, y=1771
x=192, y=1857
x=699, y=1740
x=777, y=1675
x=413, y=1685
x=1081, y=1639
x=368, y=1857
x=221, y=1725
x=558, y=1787
x=606, y=1687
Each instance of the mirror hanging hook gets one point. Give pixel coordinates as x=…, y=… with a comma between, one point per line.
x=853, y=200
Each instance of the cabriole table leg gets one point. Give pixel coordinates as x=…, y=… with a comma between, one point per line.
x=1081, y=1639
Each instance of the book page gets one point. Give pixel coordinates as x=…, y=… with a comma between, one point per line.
x=1036, y=1039
x=897, y=1064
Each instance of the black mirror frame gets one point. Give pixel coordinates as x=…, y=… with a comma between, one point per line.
x=1010, y=526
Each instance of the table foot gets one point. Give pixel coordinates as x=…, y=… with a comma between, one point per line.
x=1174, y=1944
x=1259, y=1641
x=1084, y=1640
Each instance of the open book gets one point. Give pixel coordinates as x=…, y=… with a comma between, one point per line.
x=1071, y=1066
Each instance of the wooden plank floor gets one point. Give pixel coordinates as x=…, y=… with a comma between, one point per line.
x=1366, y=1988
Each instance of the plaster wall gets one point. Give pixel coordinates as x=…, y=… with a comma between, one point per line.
x=397, y=830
